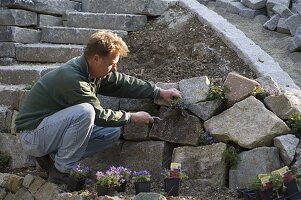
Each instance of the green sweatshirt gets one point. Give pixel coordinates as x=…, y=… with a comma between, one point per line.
x=70, y=85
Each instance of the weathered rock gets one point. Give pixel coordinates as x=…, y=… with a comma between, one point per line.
x=159, y=100
x=40, y=52
x=16, y=34
x=57, y=7
x=28, y=179
x=73, y=196
x=223, y=3
x=283, y=105
x=150, y=155
x=177, y=126
x=194, y=89
x=295, y=43
x=293, y=22
x=136, y=132
x=207, y=109
x=49, y=20
x=254, y=4
x=109, y=102
x=239, y=8
x=9, y=196
x=256, y=161
x=146, y=7
x=282, y=26
x=269, y=85
x=36, y=184
x=23, y=194
x=10, y=95
x=7, y=61
x=137, y=104
x=2, y=193
x=48, y=191
x=7, y=49
x=242, y=124
x=272, y=23
x=11, y=182
x=287, y=145
x=127, y=22
x=238, y=87
x=18, y=157
x=5, y=118
x=296, y=6
x=13, y=129
x=205, y=164
x=149, y=196
x=271, y=3
x=204, y=2
x=282, y=10
x=15, y=17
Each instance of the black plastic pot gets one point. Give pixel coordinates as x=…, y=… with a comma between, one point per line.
x=122, y=187
x=266, y=194
x=292, y=190
x=102, y=191
x=142, y=187
x=172, y=186
x=76, y=185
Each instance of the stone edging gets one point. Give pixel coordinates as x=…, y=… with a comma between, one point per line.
x=257, y=59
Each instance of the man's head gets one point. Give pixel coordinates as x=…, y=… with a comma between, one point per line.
x=103, y=52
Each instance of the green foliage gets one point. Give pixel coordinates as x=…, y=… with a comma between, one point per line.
x=256, y=184
x=277, y=181
x=231, y=157
x=294, y=122
x=4, y=162
x=28, y=87
x=260, y=93
x=181, y=175
x=177, y=103
x=215, y=92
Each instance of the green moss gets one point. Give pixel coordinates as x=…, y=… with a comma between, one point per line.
x=231, y=157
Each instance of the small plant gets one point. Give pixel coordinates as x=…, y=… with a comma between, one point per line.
x=141, y=176
x=108, y=179
x=260, y=93
x=125, y=174
x=180, y=174
x=294, y=122
x=215, y=92
x=80, y=172
x=256, y=184
x=207, y=139
x=277, y=181
x=231, y=157
x=28, y=87
x=178, y=103
x=4, y=162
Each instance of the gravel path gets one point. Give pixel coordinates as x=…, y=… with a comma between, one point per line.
x=274, y=43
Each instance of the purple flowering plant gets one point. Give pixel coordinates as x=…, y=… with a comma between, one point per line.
x=141, y=176
x=125, y=174
x=110, y=178
x=79, y=171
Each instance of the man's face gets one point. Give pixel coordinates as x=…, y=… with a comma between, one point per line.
x=104, y=65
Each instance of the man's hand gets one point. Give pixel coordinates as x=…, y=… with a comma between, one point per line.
x=169, y=94
x=141, y=118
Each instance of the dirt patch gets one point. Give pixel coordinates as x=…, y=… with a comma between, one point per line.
x=177, y=46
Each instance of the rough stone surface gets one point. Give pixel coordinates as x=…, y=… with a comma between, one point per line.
x=296, y=6
x=205, y=164
x=23, y=194
x=47, y=52
x=10, y=95
x=282, y=26
x=57, y=7
x=28, y=179
x=256, y=161
x=194, y=89
x=136, y=104
x=287, y=145
x=136, y=132
x=127, y=22
x=7, y=49
x=150, y=155
x=65, y=35
x=282, y=10
x=13, y=129
x=36, y=184
x=177, y=126
x=147, y=7
x=49, y=20
x=223, y=3
x=254, y=4
x=15, y=17
x=18, y=157
x=5, y=118
x=7, y=61
x=207, y=109
x=295, y=42
x=48, y=191
x=149, y=196
x=11, y=182
x=293, y=22
x=283, y=105
x=17, y=34
x=253, y=131
x=271, y=3
x=271, y=24
x=160, y=101
x=2, y=193
x=269, y=85
x=238, y=87
x=109, y=102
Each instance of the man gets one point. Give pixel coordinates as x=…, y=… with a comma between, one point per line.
x=63, y=116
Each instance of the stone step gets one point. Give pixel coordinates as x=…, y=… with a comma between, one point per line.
x=10, y=95
x=17, y=17
x=147, y=7
x=56, y=7
x=5, y=118
x=69, y=35
x=45, y=52
x=24, y=73
x=17, y=34
x=127, y=22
